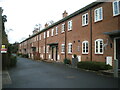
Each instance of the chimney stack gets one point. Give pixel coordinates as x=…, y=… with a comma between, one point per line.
x=65, y=14
x=46, y=25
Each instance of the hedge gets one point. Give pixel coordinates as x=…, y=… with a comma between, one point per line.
x=13, y=61
x=95, y=66
x=67, y=61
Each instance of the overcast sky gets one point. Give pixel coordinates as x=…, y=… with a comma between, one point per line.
x=23, y=15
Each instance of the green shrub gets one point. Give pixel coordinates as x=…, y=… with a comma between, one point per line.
x=75, y=56
x=13, y=61
x=19, y=54
x=25, y=55
x=95, y=66
x=67, y=61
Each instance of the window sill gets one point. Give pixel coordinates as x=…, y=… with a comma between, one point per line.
x=69, y=53
x=116, y=15
x=69, y=30
x=98, y=21
x=85, y=53
x=85, y=25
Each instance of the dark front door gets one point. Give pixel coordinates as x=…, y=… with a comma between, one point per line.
x=118, y=51
x=52, y=52
x=56, y=52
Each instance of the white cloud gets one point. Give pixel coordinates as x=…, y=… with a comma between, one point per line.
x=22, y=15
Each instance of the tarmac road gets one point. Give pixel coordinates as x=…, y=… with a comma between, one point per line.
x=37, y=74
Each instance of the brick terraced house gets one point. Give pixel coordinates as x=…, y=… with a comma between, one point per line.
x=92, y=33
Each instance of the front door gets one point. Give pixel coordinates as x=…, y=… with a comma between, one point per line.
x=54, y=52
x=118, y=51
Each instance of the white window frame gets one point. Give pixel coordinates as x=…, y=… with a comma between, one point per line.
x=52, y=32
x=70, y=48
x=85, y=19
x=43, y=49
x=84, y=48
x=63, y=28
x=62, y=48
x=47, y=49
x=56, y=31
x=99, y=40
x=39, y=49
x=44, y=34
x=69, y=25
x=40, y=37
x=48, y=33
x=118, y=8
x=97, y=16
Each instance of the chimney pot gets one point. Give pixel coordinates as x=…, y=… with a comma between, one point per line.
x=65, y=14
x=46, y=25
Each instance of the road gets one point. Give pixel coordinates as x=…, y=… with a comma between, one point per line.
x=37, y=74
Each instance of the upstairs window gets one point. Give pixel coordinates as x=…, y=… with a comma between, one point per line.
x=63, y=28
x=85, y=47
x=69, y=47
x=56, y=30
x=48, y=33
x=98, y=14
x=85, y=19
x=39, y=37
x=62, y=48
x=99, y=46
x=69, y=25
x=44, y=35
x=52, y=32
x=116, y=8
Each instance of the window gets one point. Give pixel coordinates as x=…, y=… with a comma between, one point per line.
x=116, y=8
x=98, y=13
x=62, y=48
x=56, y=30
x=39, y=37
x=99, y=46
x=85, y=19
x=63, y=28
x=43, y=49
x=52, y=32
x=70, y=25
x=85, y=47
x=48, y=33
x=69, y=47
x=47, y=49
x=39, y=49
x=44, y=35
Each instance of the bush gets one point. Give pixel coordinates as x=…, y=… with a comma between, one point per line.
x=67, y=61
x=13, y=61
x=25, y=55
x=75, y=56
x=95, y=66
x=19, y=54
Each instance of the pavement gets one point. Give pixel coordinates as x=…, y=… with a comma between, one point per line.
x=38, y=74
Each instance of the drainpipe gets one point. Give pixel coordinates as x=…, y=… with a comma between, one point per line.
x=65, y=39
x=90, y=34
x=45, y=43
x=38, y=46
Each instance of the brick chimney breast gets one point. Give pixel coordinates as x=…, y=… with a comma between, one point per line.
x=65, y=14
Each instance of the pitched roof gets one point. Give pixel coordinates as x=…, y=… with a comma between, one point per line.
x=66, y=18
